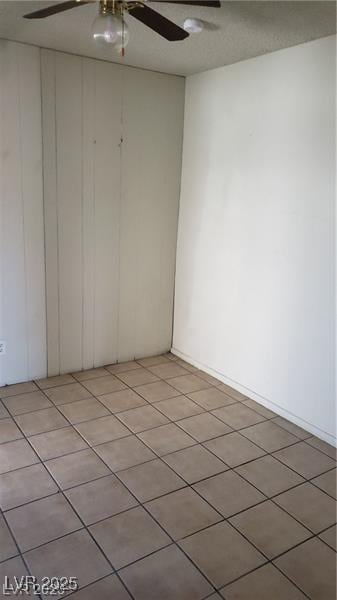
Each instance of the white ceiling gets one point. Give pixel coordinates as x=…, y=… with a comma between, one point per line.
x=236, y=31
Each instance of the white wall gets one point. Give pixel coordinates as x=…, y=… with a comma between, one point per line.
x=255, y=280
x=106, y=236
x=22, y=275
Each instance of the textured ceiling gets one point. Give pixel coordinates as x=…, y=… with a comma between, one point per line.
x=236, y=31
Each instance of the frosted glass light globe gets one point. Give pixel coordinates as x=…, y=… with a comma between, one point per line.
x=106, y=29
x=193, y=25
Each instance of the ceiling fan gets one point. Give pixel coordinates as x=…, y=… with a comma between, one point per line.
x=110, y=27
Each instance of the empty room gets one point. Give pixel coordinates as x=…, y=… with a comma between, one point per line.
x=168, y=299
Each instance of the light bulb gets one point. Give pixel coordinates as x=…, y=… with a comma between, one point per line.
x=193, y=25
x=106, y=29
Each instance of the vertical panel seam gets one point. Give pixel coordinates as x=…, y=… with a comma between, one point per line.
x=2, y=369
x=121, y=180
x=18, y=73
x=94, y=249
x=82, y=216
x=44, y=217
x=57, y=217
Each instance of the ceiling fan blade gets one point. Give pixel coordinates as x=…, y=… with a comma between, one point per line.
x=167, y=29
x=210, y=3
x=54, y=9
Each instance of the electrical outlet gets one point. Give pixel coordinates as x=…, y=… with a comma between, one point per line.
x=3, y=347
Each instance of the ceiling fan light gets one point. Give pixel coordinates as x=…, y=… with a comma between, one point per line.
x=123, y=36
x=193, y=25
x=106, y=29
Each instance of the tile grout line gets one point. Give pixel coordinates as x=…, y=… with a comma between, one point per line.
x=188, y=485
x=210, y=385
x=201, y=443
x=61, y=491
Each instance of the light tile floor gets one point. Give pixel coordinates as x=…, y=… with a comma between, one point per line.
x=152, y=480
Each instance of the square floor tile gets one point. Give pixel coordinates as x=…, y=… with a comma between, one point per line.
x=194, y=463
x=270, y=529
x=209, y=378
x=9, y=431
x=221, y=553
x=182, y=513
x=142, y=418
x=327, y=483
x=234, y=449
x=315, y=509
x=17, y=388
x=25, y=485
x=123, y=367
x=229, y=493
x=178, y=408
x=42, y=521
x=269, y=436
x=8, y=548
x=187, y=366
x=171, y=356
x=312, y=567
x=54, y=381
x=41, y=421
x=211, y=398
x=124, y=453
x=227, y=389
x=103, y=385
x=165, y=575
x=187, y=384
x=137, y=377
x=100, y=499
x=323, y=447
x=91, y=374
x=265, y=583
x=77, y=468
x=57, y=443
x=104, y=429
x=67, y=393
x=129, y=536
x=151, y=480
x=24, y=403
x=238, y=415
x=109, y=588
x=292, y=428
x=152, y=361
x=269, y=475
x=10, y=569
x=305, y=460
x=168, y=370
x=166, y=439
x=4, y=414
x=76, y=553
x=259, y=408
x=330, y=537
x=154, y=392
x=123, y=400
x=17, y=454
x=204, y=427
x=83, y=410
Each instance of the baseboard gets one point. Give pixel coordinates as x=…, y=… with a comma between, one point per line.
x=323, y=435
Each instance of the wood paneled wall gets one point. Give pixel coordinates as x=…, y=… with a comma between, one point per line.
x=22, y=270
x=90, y=175
x=112, y=156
